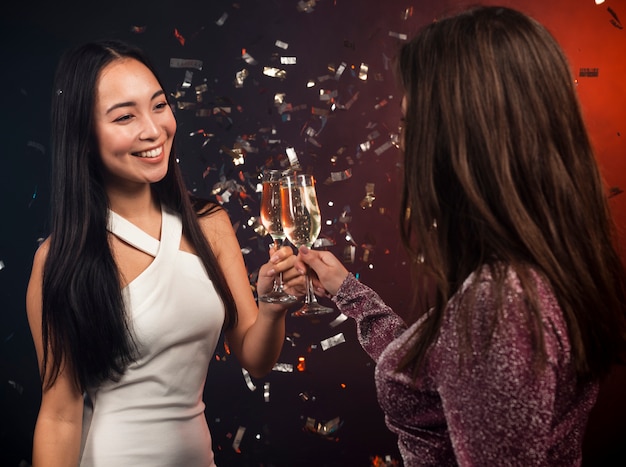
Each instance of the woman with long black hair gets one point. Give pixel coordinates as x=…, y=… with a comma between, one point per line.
x=130, y=292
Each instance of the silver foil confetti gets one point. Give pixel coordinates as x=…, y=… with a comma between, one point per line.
x=333, y=341
x=248, y=379
x=338, y=320
x=283, y=367
x=238, y=437
x=185, y=63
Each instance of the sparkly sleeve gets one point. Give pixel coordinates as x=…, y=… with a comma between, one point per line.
x=497, y=408
x=377, y=324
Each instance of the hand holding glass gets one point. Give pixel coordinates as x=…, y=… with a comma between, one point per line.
x=271, y=220
x=302, y=222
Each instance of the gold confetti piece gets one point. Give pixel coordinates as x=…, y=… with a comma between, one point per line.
x=186, y=105
x=185, y=63
x=306, y=6
x=222, y=110
x=281, y=44
x=240, y=77
x=310, y=424
x=274, y=72
x=369, y=196
x=363, y=72
x=257, y=226
x=332, y=341
x=366, y=255
x=323, y=428
x=237, y=154
x=301, y=364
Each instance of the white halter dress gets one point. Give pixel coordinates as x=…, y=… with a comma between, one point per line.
x=154, y=416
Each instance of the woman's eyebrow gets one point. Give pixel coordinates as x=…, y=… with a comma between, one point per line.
x=160, y=92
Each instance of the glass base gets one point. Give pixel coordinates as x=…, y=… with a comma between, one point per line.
x=312, y=309
x=276, y=296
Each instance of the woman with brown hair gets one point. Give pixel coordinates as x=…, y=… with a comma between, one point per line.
x=506, y=219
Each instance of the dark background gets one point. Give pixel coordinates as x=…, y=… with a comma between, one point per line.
x=336, y=384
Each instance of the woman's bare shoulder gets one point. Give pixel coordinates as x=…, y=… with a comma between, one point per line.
x=41, y=254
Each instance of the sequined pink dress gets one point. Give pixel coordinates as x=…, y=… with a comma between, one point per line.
x=492, y=411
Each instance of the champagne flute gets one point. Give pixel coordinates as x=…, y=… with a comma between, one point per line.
x=271, y=220
x=302, y=223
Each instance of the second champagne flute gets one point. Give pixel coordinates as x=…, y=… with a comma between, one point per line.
x=271, y=220
x=302, y=223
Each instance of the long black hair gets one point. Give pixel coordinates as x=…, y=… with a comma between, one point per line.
x=84, y=323
x=499, y=170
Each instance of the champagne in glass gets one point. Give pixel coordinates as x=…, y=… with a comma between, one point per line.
x=271, y=220
x=302, y=223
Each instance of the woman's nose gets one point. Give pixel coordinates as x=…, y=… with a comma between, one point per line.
x=150, y=129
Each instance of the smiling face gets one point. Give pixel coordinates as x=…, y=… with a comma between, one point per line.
x=134, y=125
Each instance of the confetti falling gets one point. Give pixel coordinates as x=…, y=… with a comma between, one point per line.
x=348, y=132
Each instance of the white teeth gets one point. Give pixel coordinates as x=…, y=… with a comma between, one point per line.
x=150, y=154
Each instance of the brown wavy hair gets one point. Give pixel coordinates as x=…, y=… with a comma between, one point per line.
x=499, y=170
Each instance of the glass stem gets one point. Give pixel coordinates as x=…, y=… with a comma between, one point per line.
x=309, y=298
x=278, y=281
